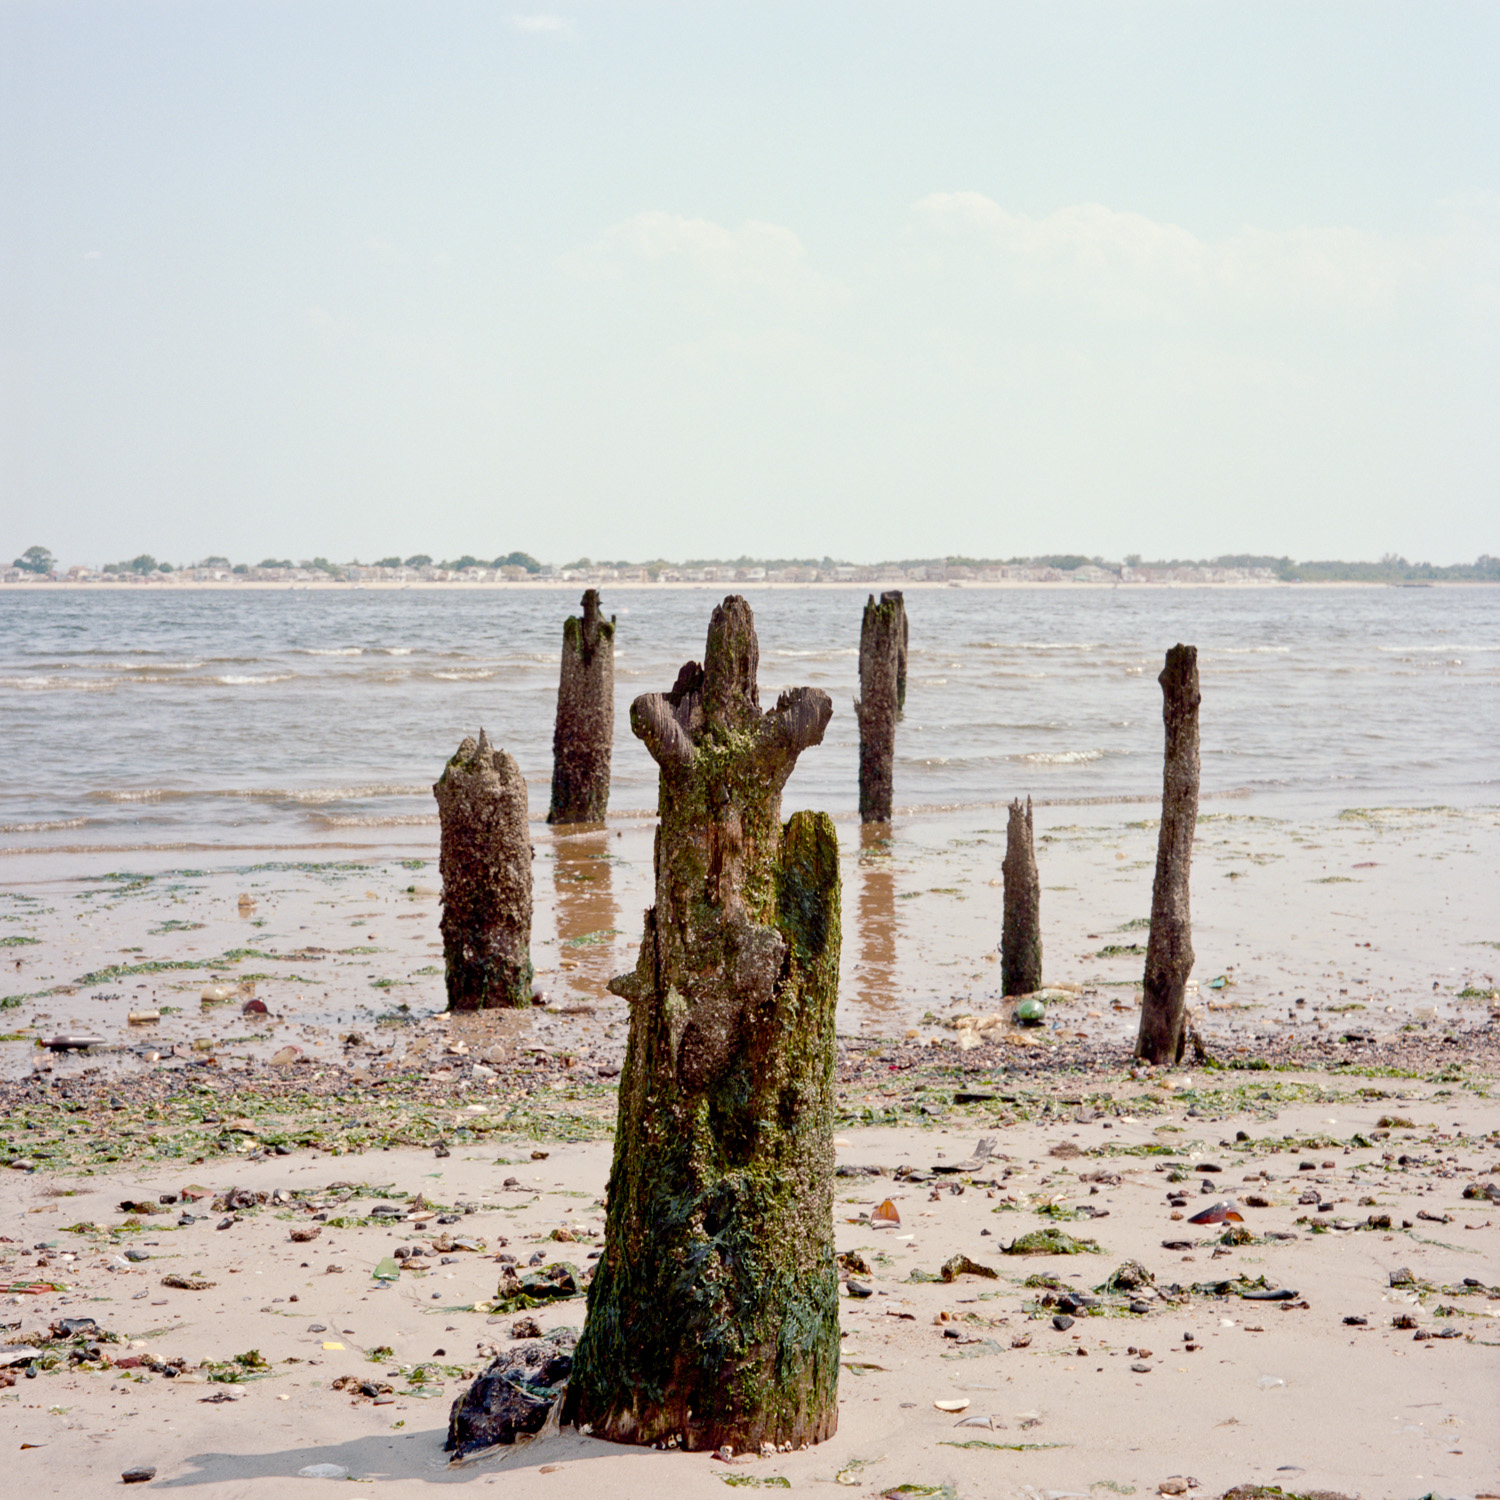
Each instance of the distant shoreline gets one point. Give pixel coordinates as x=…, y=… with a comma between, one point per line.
x=743, y=586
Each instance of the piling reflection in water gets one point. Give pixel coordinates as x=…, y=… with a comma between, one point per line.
x=587, y=915
x=875, y=977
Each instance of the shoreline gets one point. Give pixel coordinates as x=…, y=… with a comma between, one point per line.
x=745, y=585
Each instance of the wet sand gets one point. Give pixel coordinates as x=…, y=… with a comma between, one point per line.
x=344, y=954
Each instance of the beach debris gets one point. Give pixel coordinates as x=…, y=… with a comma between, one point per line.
x=1031, y=1011
x=953, y=1404
x=323, y=1471
x=732, y=1043
x=585, y=729
x=885, y=1213
x=1282, y=1294
x=882, y=652
x=1050, y=1241
x=526, y=1328
x=1218, y=1213
x=143, y=1475
x=305, y=1234
x=961, y=1265
x=983, y=1152
x=216, y=994
x=71, y=1041
x=389, y=1269
x=142, y=1017
x=485, y=858
x=1169, y=947
x=1128, y=1276
x=191, y=1283
x=556, y=1282
x=513, y=1397
x=1021, y=930
x=284, y=1057
x=254, y=1007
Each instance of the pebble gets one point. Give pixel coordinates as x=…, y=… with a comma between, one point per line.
x=138, y=1476
x=1062, y=1322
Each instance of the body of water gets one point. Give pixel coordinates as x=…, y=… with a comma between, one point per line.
x=151, y=718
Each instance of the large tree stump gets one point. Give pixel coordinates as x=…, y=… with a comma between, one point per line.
x=585, y=729
x=485, y=861
x=1169, y=949
x=882, y=683
x=713, y=1314
x=1021, y=936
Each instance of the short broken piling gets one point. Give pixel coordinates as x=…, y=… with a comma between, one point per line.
x=1021, y=936
x=485, y=861
x=585, y=727
x=1169, y=949
x=882, y=692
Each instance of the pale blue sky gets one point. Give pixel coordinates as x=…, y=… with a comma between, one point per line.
x=634, y=279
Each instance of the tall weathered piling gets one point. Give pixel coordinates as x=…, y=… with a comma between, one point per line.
x=485, y=861
x=1021, y=935
x=585, y=729
x=902, y=653
x=882, y=691
x=1169, y=949
x=713, y=1314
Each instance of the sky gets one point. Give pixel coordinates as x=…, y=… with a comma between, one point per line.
x=865, y=278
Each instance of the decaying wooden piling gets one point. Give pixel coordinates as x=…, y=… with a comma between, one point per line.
x=585, y=729
x=485, y=861
x=713, y=1314
x=882, y=692
x=1169, y=950
x=1021, y=936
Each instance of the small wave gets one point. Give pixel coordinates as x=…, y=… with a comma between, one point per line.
x=43, y=684
x=157, y=666
x=313, y=795
x=231, y=680
x=45, y=827
x=464, y=674
x=395, y=650
x=399, y=820
x=1250, y=651
x=825, y=651
x=329, y=650
x=1060, y=757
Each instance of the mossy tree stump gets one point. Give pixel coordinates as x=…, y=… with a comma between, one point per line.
x=882, y=692
x=485, y=860
x=1169, y=948
x=713, y=1315
x=585, y=729
x=1021, y=936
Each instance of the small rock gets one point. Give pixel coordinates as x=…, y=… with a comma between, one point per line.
x=1173, y=1487
x=138, y=1476
x=137, y=1255
x=305, y=1235
x=1062, y=1322
x=858, y=1288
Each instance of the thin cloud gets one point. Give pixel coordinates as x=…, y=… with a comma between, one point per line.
x=542, y=25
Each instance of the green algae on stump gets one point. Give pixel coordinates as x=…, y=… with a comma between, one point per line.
x=713, y=1314
x=485, y=862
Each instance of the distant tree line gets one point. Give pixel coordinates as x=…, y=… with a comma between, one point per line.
x=1390, y=569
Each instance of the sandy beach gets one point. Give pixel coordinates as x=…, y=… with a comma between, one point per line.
x=353, y=1090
